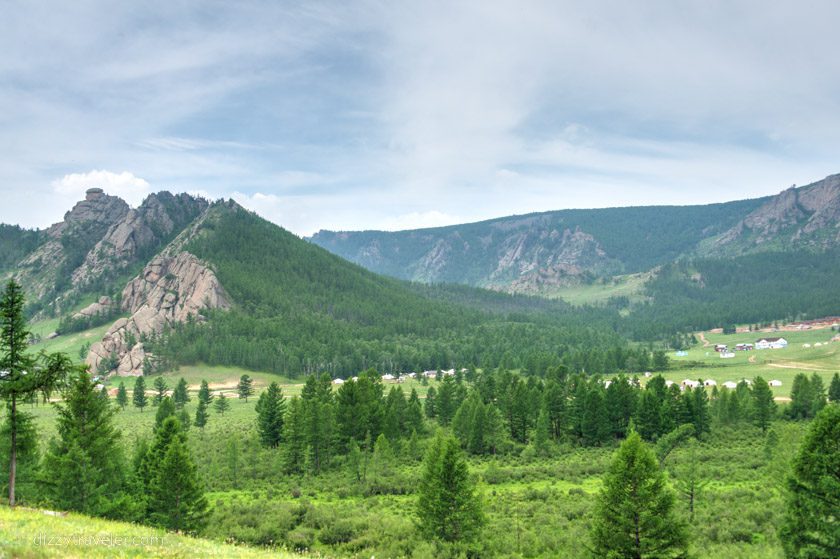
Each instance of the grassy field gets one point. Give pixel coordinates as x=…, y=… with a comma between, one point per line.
x=772, y=364
x=26, y=533
x=630, y=286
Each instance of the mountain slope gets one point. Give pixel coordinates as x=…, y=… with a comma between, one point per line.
x=538, y=252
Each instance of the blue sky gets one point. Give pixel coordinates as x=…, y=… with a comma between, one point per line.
x=393, y=115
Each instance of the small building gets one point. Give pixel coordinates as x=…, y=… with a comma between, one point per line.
x=688, y=383
x=648, y=374
x=744, y=347
x=388, y=377
x=775, y=383
x=668, y=383
x=771, y=343
x=727, y=355
x=709, y=382
x=338, y=381
x=721, y=347
x=806, y=346
x=730, y=385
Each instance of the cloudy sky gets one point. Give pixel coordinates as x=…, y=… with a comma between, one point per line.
x=391, y=115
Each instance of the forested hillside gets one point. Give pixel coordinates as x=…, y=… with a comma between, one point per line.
x=300, y=309
x=15, y=243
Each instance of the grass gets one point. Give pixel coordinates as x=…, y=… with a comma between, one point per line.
x=629, y=286
x=27, y=533
x=772, y=364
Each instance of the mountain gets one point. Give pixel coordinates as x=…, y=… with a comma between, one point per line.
x=539, y=253
x=182, y=280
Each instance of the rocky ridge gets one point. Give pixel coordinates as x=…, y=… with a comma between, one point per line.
x=170, y=289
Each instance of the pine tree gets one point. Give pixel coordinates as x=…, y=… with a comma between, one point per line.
x=763, y=407
x=201, y=415
x=294, y=449
x=221, y=405
x=204, y=394
x=84, y=465
x=24, y=374
x=319, y=420
x=176, y=501
x=414, y=413
x=165, y=409
x=801, y=400
x=811, y=529
x=542, y=440
x=180, y=396
x=139, y=396
x=245, y=388
x=596, y=423
x=122, y=396
x=834, y=389
x=818, y=398
x=431, y=403
x=160, y=391
x=448, y=507
x=634, y=514
x=271, y=410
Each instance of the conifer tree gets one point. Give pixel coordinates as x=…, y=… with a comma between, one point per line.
x=634, y=514
x=165, y=409
x=271, y=410
x=430, y=406
x=448, y=507
x=834, y=389
x=763, y=406
x=180, y=396
x=84, y=465
x=319, y=420
x=414, y=413
x=811, y=529
x=294, y=449
x=221, y=405
x=176, y=500
x=122, y=396
x=818, y=398
x=160, y=391
x=204, y=393
x=139, y=396
x=24, y=375
x=184, y=418
x=201, y=415
x=596, y=423
x=245, y=388
x=542, y=440
x=801, y=399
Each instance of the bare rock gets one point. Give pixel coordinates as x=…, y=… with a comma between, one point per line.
x=168, y=291
x=103, y=305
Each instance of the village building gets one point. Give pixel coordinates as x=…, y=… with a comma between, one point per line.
x=771, y=343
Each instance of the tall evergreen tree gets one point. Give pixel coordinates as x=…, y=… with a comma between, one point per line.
x=811, y=528
x=448, y=507
x=180, y=396
x=271, y=410
x=23, y=375
x=160, y=391
x=818, y=398
x=414, y=413
x=139, y=395
x=165, y=409
x=834, y=389
x=430, y=406
x=634, y=516
x=84, y=465
x=801, y=399
x=122, y=396
x=204, y=393
x=294, y=448
x=245, y=388
x=176, y=500
x=763, y=406
x=201, y=414
x=319, y=420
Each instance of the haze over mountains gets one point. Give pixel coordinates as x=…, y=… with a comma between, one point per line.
x=538, y=253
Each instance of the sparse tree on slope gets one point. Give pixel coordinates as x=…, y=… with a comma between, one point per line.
x=221, y=404
x=763, y=408
x=834, y=389
x=122, y=396
x=160, y=391
x=180, y=396
x=271, y=409
x=201, y=415
x=634, y=516
x=204, y=394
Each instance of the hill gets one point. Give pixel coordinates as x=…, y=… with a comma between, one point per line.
x=546, y=252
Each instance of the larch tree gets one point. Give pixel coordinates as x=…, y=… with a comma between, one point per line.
x=834, y=389
x=201, y=415
x=22, y=375
x=221, y=405
x=204, y=394
x=139, y=396
x=634, y=513
x=160, y=390
x=122, y=396
x=245, y=388
x=180, y=396
x=271, y=410
x=448, y=507
x=763, y=405
x=811, y=529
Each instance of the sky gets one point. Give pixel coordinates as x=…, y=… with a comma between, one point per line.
x=398, y=115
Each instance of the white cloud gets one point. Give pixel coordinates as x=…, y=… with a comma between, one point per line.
x=130, y=188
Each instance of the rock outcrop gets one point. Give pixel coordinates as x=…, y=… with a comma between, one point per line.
x=68, y=241
x=170, y=289
x=137, y=234
x=103, y=305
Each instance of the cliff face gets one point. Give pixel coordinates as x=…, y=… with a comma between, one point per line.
x=45, y=271
x=807, y=216
x=169, y=290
